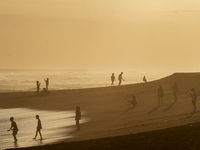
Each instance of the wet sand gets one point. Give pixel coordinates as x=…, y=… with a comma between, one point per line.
x=109, y=111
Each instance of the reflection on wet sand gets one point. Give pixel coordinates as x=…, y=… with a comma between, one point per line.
x=57, y=125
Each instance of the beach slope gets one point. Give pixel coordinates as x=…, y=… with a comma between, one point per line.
x=109, y=111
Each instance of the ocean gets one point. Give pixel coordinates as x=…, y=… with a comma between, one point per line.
x=16, y=80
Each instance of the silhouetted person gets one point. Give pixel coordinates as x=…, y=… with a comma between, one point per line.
x=38, y=128
x=194, y=98
x=44, y=91
x=120, y=78
x=144, y=79
x=160, y=93
x=78, y=117
x=133, y=101
x=175, y=91
x=14, y=128
x=38, y=87
x=47, y=83
x=112, y=79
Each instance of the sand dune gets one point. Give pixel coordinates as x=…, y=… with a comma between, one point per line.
x=108, y=108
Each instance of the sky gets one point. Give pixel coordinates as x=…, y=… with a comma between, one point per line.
x=100, y=34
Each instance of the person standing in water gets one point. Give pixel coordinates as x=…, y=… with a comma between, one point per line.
x=47, y=83
x=120, y=78
x=39, y=127
x=14, y=128
x=175, y=91
x=194, y=95
x=160, y=93
x=112, y=79
x=38, y=87
x=78, y=117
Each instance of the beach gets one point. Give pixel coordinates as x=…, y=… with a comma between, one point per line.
x=109, y=111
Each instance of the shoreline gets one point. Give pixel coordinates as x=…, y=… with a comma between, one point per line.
x=109, y=110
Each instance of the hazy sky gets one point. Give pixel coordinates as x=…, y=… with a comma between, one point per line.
x=103, y=34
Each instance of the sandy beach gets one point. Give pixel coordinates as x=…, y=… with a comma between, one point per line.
x=109, y=111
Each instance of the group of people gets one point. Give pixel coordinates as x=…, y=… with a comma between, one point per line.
x=15, y=129
x=120, y=78
x=45, y=90
x=192, y=92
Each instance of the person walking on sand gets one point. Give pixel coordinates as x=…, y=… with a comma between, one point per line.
x=120, y=78
x=38, y=128
x=14, y=128
x=78, y=117
x=38, y=87
x=175, y=91
x=194, y=95
x=47, y=83
x=160, y=93
x=112, y=79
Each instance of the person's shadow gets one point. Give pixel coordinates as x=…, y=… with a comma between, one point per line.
x=154, y=109
x=190, y=115
x=169, y=107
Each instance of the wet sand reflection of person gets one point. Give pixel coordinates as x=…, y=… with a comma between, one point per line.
x=39, y=127
x=14, y=128
x=78, y=117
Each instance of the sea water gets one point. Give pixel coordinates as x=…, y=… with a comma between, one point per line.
x=25, y=80
x=57, y=125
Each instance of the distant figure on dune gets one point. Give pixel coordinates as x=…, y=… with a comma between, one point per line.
x=120, y=78
x=78, y=117
x=38, y=128
x=38, y=87
x=194, y=95
x=112, y=79
x=160, y=93
x=47, y=83
x=133, y=101
x=175, y=91
x=144, y=79
x=14, y=128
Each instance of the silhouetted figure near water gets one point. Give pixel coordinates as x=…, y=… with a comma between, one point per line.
x=133, y=101
x=112, y=79
x=44, y=91
x=160, y=93
x=78, y=117
x=47, y=83
x=144, y=79
x=14, y=128
x=120, y=78
x=194, y=98
x=39, y=127
x=175, y=91
x=38, y=87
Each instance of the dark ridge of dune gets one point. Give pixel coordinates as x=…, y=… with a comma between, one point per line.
x=185, y=137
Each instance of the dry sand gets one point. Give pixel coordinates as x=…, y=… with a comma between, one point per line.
x=110, y=112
